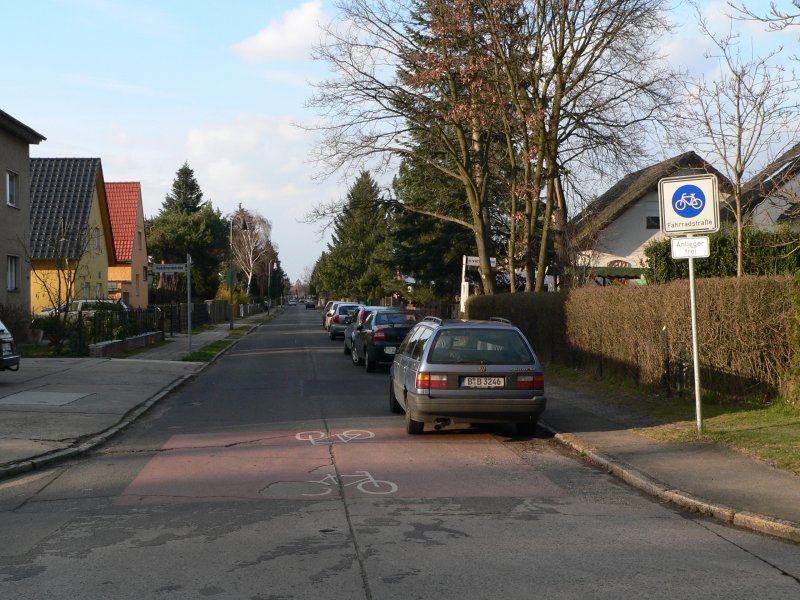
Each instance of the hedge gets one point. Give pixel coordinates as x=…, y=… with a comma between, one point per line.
x=643, y=333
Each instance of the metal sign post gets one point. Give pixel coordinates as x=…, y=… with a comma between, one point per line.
x=690, y=205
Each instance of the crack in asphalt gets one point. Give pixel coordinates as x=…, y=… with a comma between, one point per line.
x=120, y=452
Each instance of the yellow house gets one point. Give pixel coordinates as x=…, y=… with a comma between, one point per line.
x=71, y=243
x=127, y=277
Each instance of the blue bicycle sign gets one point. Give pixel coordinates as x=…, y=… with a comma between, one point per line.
x=688, y=201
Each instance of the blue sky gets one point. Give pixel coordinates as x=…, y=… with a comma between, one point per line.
x=148, y=84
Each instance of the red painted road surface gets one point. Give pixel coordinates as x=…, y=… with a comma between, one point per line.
x=376, y=463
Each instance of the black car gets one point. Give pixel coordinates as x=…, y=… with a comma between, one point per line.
x=378, y=338
x=353, y=321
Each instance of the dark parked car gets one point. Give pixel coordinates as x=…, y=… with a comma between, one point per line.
x=9, y=357
x=310, y=303
x=382, y=332
x=467, y=372
x=353, y=321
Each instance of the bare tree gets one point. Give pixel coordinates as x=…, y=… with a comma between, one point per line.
x=777, y=18
x=410, y=80
x=745, y=115
x=250, y=242
x=583, y=82
x=59, y=273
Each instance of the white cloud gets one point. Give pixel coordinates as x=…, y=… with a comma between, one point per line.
x=110, y=85
x=290, y=37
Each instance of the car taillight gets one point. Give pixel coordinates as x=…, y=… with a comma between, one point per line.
x=336, y=319
x=379, y=334
x=427, y=381
x=530, y=382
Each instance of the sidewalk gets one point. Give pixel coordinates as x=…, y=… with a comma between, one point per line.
x=53, y=409
x=56, y=408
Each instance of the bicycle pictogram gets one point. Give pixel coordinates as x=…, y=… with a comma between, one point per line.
x=363, y=481
x=320, y=437
x=688, y=200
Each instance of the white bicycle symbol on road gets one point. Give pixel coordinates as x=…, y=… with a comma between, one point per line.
x=687, y=200
x=364, y=481
x=320, y=437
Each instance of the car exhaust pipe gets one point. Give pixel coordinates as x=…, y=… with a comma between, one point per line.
x=439, y=423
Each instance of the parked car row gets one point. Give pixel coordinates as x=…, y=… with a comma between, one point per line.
x=443, y=372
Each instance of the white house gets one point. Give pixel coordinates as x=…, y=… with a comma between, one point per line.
x=614, y=230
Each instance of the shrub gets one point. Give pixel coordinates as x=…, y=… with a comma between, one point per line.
x=539, y=316
x=643, y=334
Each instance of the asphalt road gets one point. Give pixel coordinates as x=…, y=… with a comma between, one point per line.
x=281, y=474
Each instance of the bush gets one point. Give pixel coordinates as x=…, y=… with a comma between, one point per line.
x=765, y=253
x=539, y=316
x=643, y=334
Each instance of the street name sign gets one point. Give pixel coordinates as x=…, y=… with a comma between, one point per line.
x=170, y=268
x=689, y=204
x=690, y=247
x=473, y=261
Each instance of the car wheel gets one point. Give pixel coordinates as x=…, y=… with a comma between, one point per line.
x=528, y=428
x=413, y=427
x=394, y=405
x=332, y=335
x=354, y=356
x=369, y=361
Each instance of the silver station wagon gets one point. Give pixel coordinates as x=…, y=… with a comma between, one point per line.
x=448, y=372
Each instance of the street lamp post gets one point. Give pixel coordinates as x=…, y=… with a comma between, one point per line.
x=230, y=275
x=271, y=265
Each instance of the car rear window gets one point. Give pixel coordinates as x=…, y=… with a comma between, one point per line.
x=480, y=346
x=343, y=309
x=390, y=318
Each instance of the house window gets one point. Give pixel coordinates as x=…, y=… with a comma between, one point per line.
x=98, y=290
x=12, y=185
x=137, y=284
x=12, y=270
x=653, y=223
x=87, y=289
x=97, y=240
x=139, y=236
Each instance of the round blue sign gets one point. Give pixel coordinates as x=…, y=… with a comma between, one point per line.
x=688, y=201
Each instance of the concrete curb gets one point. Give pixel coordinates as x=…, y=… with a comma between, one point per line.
x=84, y=445
x=786, y=530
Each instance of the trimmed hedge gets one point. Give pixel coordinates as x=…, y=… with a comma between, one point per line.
x=539, y=316
x=644, y=333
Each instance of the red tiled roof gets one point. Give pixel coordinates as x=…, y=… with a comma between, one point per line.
x=123, y=202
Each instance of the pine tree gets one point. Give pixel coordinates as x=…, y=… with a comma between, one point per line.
x=186, y=196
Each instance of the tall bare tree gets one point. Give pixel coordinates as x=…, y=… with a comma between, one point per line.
x=250, y=242
x=740, y=119
x=583, y=81
x=410, y=81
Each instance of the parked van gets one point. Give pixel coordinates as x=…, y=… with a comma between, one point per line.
x=9, y=358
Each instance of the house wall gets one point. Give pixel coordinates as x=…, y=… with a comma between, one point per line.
x=15, y=222
x=627, y=236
